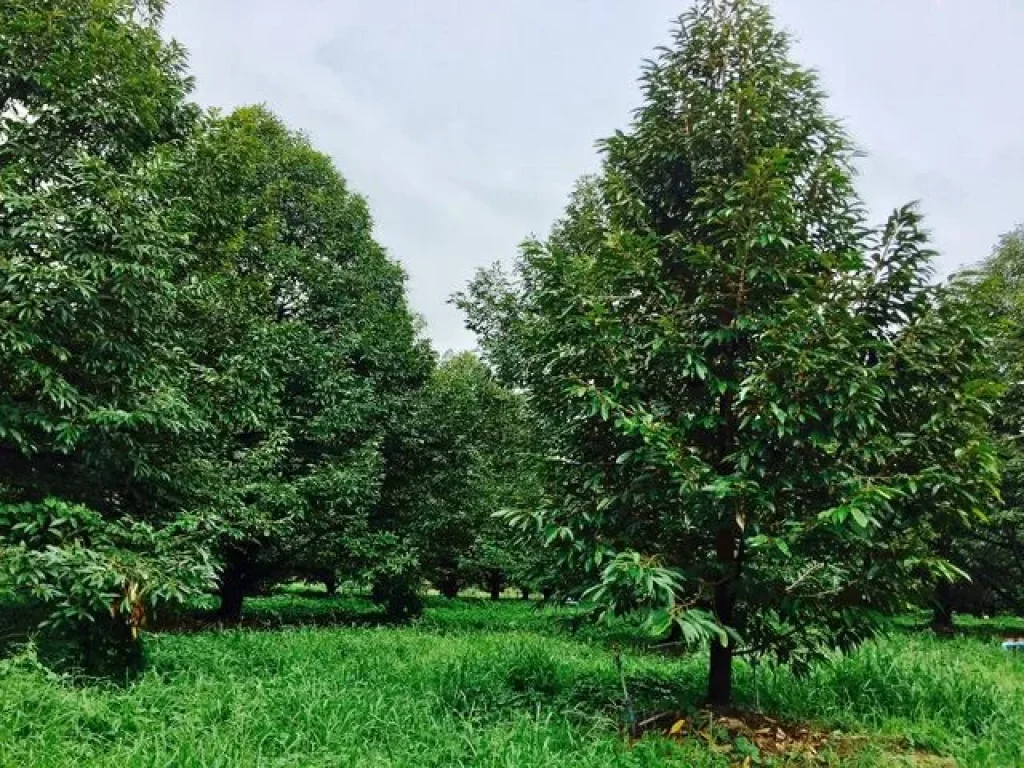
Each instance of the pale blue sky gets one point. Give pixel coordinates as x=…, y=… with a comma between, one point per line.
x=466, y=122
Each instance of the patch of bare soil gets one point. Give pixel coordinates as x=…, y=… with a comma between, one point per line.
x=750, y=739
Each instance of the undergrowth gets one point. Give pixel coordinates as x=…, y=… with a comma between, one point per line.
x=481, y=684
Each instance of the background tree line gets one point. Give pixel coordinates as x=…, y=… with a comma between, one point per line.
x=209, y=372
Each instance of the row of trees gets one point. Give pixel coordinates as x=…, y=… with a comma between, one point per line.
x=724, y=398
x=209, y=372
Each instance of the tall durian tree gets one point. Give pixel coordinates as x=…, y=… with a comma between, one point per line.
x=761, y=412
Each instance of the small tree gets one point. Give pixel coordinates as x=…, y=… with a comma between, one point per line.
x=469, y=456
x=993, y=554
x=761, y=414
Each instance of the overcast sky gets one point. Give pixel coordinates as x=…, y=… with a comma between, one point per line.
x=466, y=122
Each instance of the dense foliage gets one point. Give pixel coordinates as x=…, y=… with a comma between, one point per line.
x=93, y=374
x=476, y=444
x=764, y=415
x=993, y=555
x=721, y=398
x=307, y=350
x=208, y=367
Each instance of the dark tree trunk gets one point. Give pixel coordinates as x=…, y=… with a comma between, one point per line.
x=728, y=538
x=547, y=594
x=330, y=580
x=232, y=593
x=675, y=634
x=942, y=613
x=526, y=592
x=494, y=584
x=720, y=674
x=448, y=586
x=720, y=668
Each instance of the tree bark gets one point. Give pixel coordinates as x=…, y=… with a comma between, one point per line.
x=232, y=593
x=526, y=592
x=720, y=667
x=331, y=583
x=448, y=586
x=720, y=670
x=494, y=583
x=942, y=613
x=675, y=634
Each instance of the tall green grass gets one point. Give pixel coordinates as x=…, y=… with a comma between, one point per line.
x=478, y=684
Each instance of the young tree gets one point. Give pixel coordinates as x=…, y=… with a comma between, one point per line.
x=502, y=557
x=993, y=554
x=471, y=458
x=455, y=490
x=761, y=413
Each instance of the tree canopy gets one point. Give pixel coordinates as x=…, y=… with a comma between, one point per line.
x=993, y=554
x=207, y=359
x=93, y=377
x=308, y=348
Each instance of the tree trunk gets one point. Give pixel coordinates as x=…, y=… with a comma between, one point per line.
x=720, y=675
x=720, y=668
x=232, y=593
x=942, y=613
x=547, y=594
x=494, y=583
x=448, y=586
x=526, y=592
x=331, y=583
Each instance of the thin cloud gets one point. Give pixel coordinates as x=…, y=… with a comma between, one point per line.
x=466, y=123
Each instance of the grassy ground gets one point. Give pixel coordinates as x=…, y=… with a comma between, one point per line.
x=480, y=684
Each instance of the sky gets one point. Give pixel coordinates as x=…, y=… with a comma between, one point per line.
x=466, y=122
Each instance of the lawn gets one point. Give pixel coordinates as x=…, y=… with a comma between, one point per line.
x=316, y=681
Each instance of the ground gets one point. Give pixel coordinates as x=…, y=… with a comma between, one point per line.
x=317, y=681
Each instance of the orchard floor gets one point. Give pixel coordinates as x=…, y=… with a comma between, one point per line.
x=315, y=681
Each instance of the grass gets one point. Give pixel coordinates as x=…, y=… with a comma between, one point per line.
x=481, y=684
